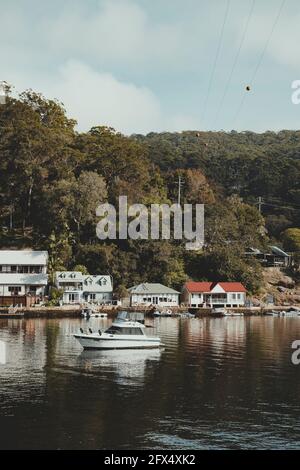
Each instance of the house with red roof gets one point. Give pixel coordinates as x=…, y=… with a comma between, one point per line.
x=213, y=294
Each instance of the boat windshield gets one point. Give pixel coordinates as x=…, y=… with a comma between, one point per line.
x=117, y=330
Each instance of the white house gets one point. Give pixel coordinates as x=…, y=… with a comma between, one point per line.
x=214, y=294
x=80, y=288
x=23, y=277
x=153, y=294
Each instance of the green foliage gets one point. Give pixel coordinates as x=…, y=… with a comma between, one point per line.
x=55, y=297
x=121, y=292
x=53, y=178
x=226, y=264
x=81, y=269
x=291, y=239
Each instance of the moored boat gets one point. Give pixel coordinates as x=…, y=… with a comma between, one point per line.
x=120, y=335
x=162, y=313
x=89, y=312
x=219, y=312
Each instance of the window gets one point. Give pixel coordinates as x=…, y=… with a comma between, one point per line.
x=14, y=290
x=233, y=296
x=114, y=330
x=238, y=296
x=93, y=296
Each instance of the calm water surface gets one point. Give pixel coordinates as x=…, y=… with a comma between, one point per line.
x=223, y=383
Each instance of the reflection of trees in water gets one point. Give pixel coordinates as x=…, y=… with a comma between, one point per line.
x=212, y=371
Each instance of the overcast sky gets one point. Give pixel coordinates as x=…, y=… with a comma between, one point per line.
x=146, y=65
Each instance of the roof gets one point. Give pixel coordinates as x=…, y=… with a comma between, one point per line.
x=90, y=282
x=232, y=286
x=279, y=252
x=24, y=279
x=97, y=283
x=23, y=257
x=68, y=276
x=207, y=287
x=152, y=288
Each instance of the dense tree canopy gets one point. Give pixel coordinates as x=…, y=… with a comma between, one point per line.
x=52, y=178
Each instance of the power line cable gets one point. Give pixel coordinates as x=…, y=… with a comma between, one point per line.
x=215, y=61
x=260, y=59
x=234, y=63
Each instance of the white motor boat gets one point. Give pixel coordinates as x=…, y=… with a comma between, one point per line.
x=98, y=315
x=120, y=335
x=220, y=312
x=162, y=313
x=89, y=312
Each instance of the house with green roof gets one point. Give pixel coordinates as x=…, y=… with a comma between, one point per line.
x=147, y=294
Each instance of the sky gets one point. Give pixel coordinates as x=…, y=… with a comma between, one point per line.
x=145, y=66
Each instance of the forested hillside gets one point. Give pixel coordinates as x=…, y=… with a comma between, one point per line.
x=52, y=178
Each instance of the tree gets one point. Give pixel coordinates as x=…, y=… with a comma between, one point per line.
x=90, y=190
x=59, y=254
x=291, y=239
x=121, y=292
x=225, y=264
x=35, y=148
x=81, y=269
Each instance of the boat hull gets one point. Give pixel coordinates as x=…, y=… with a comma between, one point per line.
x=89, y=342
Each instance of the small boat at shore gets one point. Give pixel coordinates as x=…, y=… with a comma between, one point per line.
x=121, y=334
x=89, y=312
x=294, y=312
x=222, y=312
x=162, y=313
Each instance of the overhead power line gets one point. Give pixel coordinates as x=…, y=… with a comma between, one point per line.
x=262, y=55
x=261, y=202
x=215, y=61
x=234, y=63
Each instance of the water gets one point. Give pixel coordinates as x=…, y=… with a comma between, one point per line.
x=223, y=383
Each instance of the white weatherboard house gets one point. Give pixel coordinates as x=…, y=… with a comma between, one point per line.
x=80, y=287
x=213, y=294
x=153, y=294
x=23, y=277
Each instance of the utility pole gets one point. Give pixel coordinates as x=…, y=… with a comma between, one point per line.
x=11, y=218
x=180, y=183
x=260, y=203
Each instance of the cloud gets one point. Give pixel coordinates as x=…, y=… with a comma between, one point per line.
x=145, y=66
x=96, y=98
x=284, y=41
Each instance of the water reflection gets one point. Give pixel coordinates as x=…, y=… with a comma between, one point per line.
x=218, y=383
x=127, y=365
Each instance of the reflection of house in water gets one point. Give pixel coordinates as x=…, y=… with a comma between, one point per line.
x=216, y=333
